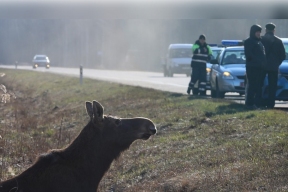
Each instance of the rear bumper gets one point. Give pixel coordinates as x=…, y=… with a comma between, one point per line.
x=182, y=69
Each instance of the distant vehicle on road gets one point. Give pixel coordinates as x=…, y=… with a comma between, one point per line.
x=178, y=60
x=228, y=72
x=282, y=84
x=41, y=61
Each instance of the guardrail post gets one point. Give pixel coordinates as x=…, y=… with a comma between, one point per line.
x=81, y=74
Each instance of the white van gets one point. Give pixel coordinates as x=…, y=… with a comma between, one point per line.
x=178, y=60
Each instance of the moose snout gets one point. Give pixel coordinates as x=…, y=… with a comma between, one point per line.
x=153, y=129
x=145, y=127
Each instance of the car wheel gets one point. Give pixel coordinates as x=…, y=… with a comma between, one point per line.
x=246, y=90
x=203, y=93
x=170, y=73
x=195, y=91
x=219, y=94
x=165, y=71
x=213, y=93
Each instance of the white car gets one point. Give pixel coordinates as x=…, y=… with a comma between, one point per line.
x=178, y=60
x=41, y=61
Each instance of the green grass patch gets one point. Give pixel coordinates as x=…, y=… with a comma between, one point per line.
x=201, y=144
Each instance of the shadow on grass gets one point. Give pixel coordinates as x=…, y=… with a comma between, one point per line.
x=176, y=95
x=192, y=97
x=229, y=108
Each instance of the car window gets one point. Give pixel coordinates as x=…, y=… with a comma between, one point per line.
x=215, y=53
x=286, y=50
x=233, y=57
x=40, y=58
x=181, y=53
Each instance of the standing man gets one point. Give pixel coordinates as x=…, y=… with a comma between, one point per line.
x=255, y=59
x=275, y=54
x=201, y=54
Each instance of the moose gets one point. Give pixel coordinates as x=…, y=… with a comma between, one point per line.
x=80, y=166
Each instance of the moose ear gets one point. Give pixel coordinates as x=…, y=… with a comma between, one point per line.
x=89, y=109
x=98, y=110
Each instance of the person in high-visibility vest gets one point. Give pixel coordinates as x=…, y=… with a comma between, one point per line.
x=201, y=54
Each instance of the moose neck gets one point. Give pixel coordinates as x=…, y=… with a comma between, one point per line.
x=91, y=154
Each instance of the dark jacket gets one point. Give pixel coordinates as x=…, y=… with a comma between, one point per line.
x=254, y=50
x=275, y=51
x=201, y=54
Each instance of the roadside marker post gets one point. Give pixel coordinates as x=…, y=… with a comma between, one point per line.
x=81, y=74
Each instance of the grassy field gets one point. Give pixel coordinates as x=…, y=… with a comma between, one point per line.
x=201, y=144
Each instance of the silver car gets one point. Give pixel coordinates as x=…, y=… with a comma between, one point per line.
x=178, y=60
x=228, y=72
x=215, y=52
x=41, y=61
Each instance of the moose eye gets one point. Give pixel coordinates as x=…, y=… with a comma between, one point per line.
x=118, y=121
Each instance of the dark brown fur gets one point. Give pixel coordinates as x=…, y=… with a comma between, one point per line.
x=81, y=165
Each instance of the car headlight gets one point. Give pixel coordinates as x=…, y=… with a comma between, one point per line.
x=208, y=70
x=227, y=75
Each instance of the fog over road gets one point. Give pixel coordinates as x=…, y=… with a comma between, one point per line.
x=176, y=84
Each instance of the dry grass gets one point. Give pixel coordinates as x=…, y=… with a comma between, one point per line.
x=201, y=145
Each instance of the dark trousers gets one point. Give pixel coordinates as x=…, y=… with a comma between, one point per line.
x=272, y=87
x=254, y=86
x=198, y=74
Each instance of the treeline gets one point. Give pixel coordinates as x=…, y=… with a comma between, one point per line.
x=113, y=44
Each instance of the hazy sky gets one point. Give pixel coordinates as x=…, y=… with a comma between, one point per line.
x=141, y=9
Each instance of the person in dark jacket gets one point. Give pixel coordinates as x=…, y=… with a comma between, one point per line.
x=275, y=54
x=255, y=59
x=201, y=54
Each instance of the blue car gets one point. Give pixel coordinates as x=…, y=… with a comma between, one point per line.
x=215, y=53
x=228, y=71
x=282, y=84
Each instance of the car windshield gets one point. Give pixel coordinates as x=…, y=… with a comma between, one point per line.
x=215, y=53
x=234, y=57
x=40, y=58
x=286, y=50
x=181, y=53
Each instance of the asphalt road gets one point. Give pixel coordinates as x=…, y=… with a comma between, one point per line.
x=176, y=84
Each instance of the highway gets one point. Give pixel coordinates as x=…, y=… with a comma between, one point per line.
x=155, y=80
